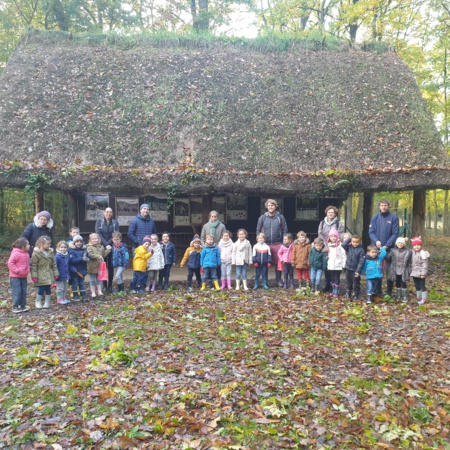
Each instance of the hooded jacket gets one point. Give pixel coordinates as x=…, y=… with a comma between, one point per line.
x=169, y=252
x=420, y=264
x=300, y=255
x=399, y=256
x=19, y=263
x=210, y=257
x=318, y=259
x=373, y=267
x=336, y=254
x=35, y=230
x=226, y=251
x=261, y=254
x=78, y=258
x=156, y=262
x=274, y=227
x=96, y=253
x=355, y=256
x=192, y=257
x=285, y=253
x=43, y=267
x=62, y=262
x=242, y=253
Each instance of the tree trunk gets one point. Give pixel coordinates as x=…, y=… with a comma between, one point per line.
x=435, y=217
x=72, y=216
x=367, y=216
x=2, y=211
x=446, y=216
x=39, y=201
x=359, y=214
x=349, y=213
x=419, y=208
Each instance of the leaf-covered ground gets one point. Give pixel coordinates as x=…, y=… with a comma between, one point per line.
x=265, y=369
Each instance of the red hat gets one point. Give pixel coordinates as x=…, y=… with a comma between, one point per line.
x=416, y=241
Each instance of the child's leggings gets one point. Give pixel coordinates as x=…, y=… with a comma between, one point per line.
x=44, y=290
x=191, y=273
x=288, y=271
x=419, y=283
x=335, y=276
x=304, y=273
x=225, y=270
x=399, y=283
x=352, y=281
x=261, y=271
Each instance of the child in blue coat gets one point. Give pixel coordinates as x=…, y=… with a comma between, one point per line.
x=209, y=260
x=170, y=258
x=62, y=262
x=373, y=268
x=78, y=258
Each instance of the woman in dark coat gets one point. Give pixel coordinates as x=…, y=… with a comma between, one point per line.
x=42, y=226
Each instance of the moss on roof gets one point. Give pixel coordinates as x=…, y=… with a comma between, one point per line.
x=220, y=107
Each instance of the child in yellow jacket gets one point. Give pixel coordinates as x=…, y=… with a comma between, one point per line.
x=140, y=274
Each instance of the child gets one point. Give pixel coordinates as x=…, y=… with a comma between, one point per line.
x=400, y=259
x=226, y=255
x=354, y=265
x=241, y=257
x=419, y=269
x=285, y=257
x=74, y=231
x=336, y=261
x=97, y=254
x=43, y=270
x=192, y=258
x=262, y=260
x=19, y=268
x=62, y=262
x=154, y=264
x=170, y=258
x=318, y=262
x=140, y=274
x=120, y=259
x=373, y=268
x=300, y=258
x=209, y=260
x=78, y=258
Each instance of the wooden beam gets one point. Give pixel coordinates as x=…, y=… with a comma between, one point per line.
x=367, y=216
x=418, y=215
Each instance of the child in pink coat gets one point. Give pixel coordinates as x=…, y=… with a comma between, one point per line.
x=285, y=257
x=19, y=268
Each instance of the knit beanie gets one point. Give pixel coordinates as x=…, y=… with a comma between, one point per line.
x=45, y=214
x=400, y=240
x=416, y=241
x=77, y=238
x=144, y=205
x=146, y=239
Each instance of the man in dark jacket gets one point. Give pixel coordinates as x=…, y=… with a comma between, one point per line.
x=383, y=232
x=42, y=226
x=142, y=225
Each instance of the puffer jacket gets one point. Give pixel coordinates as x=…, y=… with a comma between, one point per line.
x=285, y=253
x=300, y=255
x=261, y=254
x=19, y=263
x=274, y=227
x=140, y=227
x=62, y=262
x=394, y=257
x=141, y=256
x=226, y=250
x=373, y=267
x=210, y=257
x=78, y=258
x=156, y=262
x=318, y=259
x=420, y=264
x=192, y=258
x=356, y=256
x=97, y=254
x=43, y=267
x=34, y=231
x=169, y=252
x=336, y=254
x=242, y=253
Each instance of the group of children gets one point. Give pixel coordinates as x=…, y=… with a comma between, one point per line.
x=153, y=260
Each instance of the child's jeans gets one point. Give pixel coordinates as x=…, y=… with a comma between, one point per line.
x=19, y=291
x=61, y=289
x=261, y=271
x=373, y=285
x=210, y=273
x=304, y=273
x=241, y=272
x=191, y=273
x=316, y=275
x=164, y=275
x=225, y=270
x=78, y=283
x=93, y=281
x=351, y=281
x=139, y=280
x=152, y=275
x=118, y=275
x=41, y=290
x=288, y=271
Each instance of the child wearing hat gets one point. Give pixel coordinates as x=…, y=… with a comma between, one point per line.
x=419, y=269
x=192, y=259
x=399, y=271
x=78, y=259
x=140, y=274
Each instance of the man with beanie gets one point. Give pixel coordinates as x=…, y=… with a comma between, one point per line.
x=383, y=232
x=42, y=226
x=142, y=225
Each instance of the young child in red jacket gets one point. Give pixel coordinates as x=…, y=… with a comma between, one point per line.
x=19, y=268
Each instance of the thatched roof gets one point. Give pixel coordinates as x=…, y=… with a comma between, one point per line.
x=218, y=118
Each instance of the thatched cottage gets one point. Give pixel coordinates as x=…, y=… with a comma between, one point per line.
x=196, y=127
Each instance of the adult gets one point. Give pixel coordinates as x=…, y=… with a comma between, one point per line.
x=105, y=227
x=42, y=226
x=383, y=232
x=273, y=224
x=215, y=228
x=140, y=226
x=330, y=222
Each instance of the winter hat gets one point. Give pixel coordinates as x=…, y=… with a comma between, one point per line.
x=334, y=232
x=196, y=238
x=77, y=238
x=146, y=239
x=416, y=240
x=45, y=214
x=400, y=240
x=144, y=205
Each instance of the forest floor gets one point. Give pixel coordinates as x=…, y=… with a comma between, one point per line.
x=229, y=370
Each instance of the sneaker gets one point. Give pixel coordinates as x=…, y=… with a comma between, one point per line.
x=16, y=310
x=368, y=301
x=60, y=301
x=24, y=309
x=421, y=302
x=189, y=289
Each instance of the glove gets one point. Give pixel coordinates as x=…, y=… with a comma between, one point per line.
x=202, y=270
x=34, y=280
x=269, y=265
x=151, y=251
x=255, y=264
x=57, y=277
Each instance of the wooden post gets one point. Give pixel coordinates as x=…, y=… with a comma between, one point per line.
x=72, y=220
x=419, y=209
x=367, y=216
x=39, y=201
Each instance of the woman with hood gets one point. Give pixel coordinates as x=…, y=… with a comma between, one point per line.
x=42, y=226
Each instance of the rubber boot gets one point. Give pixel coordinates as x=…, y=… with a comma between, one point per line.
x=147, y=286
x=60, y=298
x=405, y=295
x=424, y=297
x=93, y=294
x=238, y=285
x=265, y=286
x=419, y=297
x=278, y=279
x=203, y=287
x=390, y=287
x=244, y=284
x=303, y=285
x=348, y=294
x=369, y=298
x=223, y=284
x=99, y=289
x=291, y=284
x=153, y=286
x=120, y=287
x=356, y=297
x=229, y=283
x=256, y=285
x=216, y=285
x=47, y=302
x=285, y=284
x=336, y=290
x=316, y=289
x=39, y=302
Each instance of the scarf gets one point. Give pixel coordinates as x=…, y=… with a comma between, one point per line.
x=330, y=223
x=240, y=246
x=213, y=226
